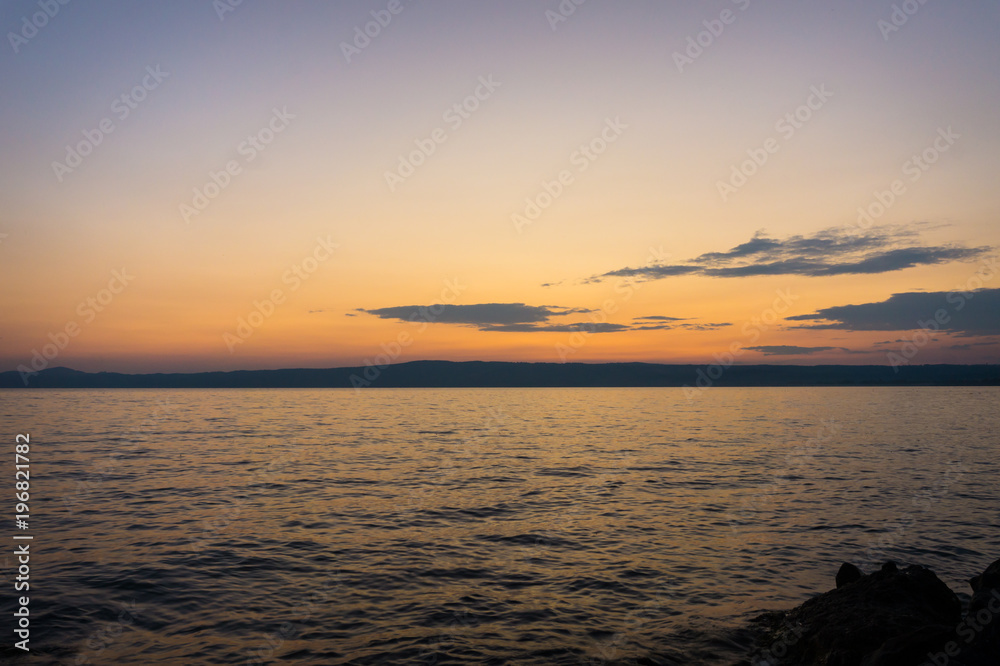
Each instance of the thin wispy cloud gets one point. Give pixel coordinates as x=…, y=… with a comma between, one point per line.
x=971, y=345
x=657, y=322
x=587, y=327
x=660, y=318
x=837, y=251
x=708, y=326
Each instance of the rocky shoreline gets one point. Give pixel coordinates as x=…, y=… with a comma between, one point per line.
x=889, y=617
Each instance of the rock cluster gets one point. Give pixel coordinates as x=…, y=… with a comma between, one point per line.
x=890, y=617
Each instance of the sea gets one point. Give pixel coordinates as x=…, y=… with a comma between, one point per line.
x=476, y=526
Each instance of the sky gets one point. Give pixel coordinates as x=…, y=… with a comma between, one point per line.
x=198, y=185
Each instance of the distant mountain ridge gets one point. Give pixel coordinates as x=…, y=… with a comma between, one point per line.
x=468, y=374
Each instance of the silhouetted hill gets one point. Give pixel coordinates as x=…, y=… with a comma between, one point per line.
x=499, y=374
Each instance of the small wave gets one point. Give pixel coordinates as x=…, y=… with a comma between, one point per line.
x=564, y=471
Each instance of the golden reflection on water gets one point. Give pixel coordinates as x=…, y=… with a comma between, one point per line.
x=585, y=521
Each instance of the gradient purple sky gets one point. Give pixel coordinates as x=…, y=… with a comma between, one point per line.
x=641, y=254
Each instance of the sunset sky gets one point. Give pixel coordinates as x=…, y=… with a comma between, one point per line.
x=191, y=185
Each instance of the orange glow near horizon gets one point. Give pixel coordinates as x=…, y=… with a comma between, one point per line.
x=545, y=163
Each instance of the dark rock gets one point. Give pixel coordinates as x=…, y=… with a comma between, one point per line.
x=978, y=635
x=848, y=574
x=892, y=617
x=986, y=581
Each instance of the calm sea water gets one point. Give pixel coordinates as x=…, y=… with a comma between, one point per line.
x=479, y=526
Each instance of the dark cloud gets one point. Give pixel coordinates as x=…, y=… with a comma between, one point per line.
x=964, y=313
x=841, y=251
x=498, y=317
x=660, y=318
x=483, y=314
x=792, y=350
x=648, y=272
x=882, y=343
x=521, y=318
x=881, y=262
